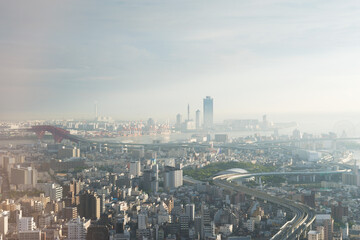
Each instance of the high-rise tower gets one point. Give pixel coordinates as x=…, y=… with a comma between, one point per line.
x=178, y=121
x=197, y=119
x=188, y=112
x=208, y=112
x=96, y=110
x=89, y=207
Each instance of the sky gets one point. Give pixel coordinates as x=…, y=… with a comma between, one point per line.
x=141, y=59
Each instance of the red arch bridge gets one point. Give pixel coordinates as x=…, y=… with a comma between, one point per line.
x=58, y=133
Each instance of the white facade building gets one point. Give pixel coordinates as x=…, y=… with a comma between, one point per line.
x=26, y=224
x=77, y=228
x=173, y=179
x=4, y=222
x=135, y=169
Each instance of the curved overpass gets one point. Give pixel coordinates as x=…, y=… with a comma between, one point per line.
x=293, y=229
x=232, y=176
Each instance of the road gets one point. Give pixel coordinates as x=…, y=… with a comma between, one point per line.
x=304, y=216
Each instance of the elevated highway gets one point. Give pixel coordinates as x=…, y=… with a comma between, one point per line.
x=304, y=216
x=232, y=176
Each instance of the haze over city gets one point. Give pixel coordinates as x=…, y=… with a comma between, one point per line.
x=150, y=60
x=179, y=120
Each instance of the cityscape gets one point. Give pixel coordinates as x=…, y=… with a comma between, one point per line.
x=179, y=120
x=84, y=179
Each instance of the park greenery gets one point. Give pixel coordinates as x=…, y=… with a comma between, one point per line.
x=29, y=193
x=210, y=170
x=273, y=179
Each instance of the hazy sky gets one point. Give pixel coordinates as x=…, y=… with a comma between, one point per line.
x=151, y=58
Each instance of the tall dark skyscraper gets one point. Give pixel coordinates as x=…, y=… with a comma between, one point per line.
x=89, y=205
x=208, y=112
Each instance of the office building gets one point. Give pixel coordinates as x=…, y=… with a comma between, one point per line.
x=89, y=207
x=97, y=232
x=326, y=221
x=198, y=226
x=70, y=213
x=77, y=228
x=184, y=225
x=178, y=121
x=4, y=222
x=68, y=153
x=197, y=119
x=207, y=227
x=339, y=211
x=23, y=176
x=313, y=235
x=135, y=168
x=221, y=138
x=52, y=190
x=142, y=221
x=173, y=178
x=30, y=235
x=208, y=112
x=190, y=211
x=25, y=223
x=188, y=112
x=151, y=179
x=60, y=165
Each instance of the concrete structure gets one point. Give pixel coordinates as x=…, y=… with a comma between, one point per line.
x=326, y=221
x=89, y=207
x=302, y=220
x=52, y=190
x=59, y=165
x=250, y=225
x=30, y=235
x=68, y=153
x=142, y=221
x=23, y=176
x=221, y=138
x=314, y=235
x=70, y=213
x=190, y=211
x=173, y=178
x=97, y=232
x=197, y=119
x=135, y=168
x=4, y=222
x=77, y=228
x=25, y=224
x=178, y=121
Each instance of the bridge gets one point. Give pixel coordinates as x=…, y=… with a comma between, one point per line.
x=58, y=133
x=228, y=175
x=304, y=216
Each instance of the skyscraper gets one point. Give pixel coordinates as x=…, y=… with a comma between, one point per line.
x=173, y=178
x=96, y=110
x=188, y=110
x=190, y=211
x=178, y=121
x=89, y=207
x=135, y=168
x=208, y=112
x=198, y=119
